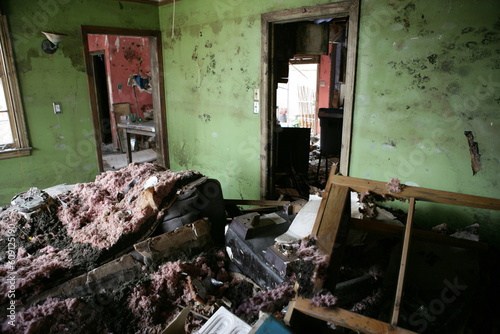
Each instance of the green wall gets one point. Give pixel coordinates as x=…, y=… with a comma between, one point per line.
x=427, y=71
x=212, y=65
x=63, y=145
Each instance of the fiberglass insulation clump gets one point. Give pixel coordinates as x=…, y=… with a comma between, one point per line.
x=116, y=204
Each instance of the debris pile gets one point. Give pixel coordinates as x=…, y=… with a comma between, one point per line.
x=117, y=203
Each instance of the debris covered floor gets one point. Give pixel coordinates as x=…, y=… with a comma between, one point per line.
x=132, y=250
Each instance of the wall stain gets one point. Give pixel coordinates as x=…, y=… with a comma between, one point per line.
x=453, y=88
x=204, y=117
x=208, y=44
x=468, y=30
x=195, y=53
x=432, y=58
x=211, y=65
x=216, y=27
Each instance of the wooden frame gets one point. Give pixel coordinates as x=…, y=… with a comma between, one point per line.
x=348, y=9
x=331, y=217
x=12, y=96
x=155, y=50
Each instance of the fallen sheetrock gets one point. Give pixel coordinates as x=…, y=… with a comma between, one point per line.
x=193, y=237
x=302, y=224
x=185, y=239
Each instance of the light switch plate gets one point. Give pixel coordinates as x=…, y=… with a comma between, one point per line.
x=255, y=107
x=256, y=94
x=57, y=108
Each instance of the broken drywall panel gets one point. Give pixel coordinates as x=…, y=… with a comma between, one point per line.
x=191, y=237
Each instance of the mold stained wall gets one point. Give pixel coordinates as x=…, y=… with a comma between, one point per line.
x=63, y=145
x=427, y=71
x=212, y=66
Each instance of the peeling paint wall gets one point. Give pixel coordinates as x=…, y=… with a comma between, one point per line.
x=63, y=145
x=428, y=71
x=125, y=56
x=212, y=66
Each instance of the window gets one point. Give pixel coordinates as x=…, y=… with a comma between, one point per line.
x=13, y=135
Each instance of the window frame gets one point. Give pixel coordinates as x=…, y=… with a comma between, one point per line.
x=20, y=147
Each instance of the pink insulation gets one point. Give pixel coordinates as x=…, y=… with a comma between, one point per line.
x=269, y=300
x=54, y=316
x=394, y=186
x=324, y=300
x=309, y=252
x=100, y=212
x=29, y=271
x=169, y=287
x=9, y=221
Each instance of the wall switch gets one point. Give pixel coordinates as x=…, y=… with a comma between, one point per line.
x=256, y=94
x=57, y=108
x=255, y=107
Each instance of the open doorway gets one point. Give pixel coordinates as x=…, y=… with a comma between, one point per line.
x=317, y=44
x=125, y=79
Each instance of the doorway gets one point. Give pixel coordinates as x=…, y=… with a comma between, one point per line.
x=125, y=80
x=99, y=66
x=283, y=41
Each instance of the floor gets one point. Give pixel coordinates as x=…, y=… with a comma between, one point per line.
x=116, y=161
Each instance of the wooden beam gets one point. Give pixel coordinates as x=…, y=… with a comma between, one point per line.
x=421, y=194
x=381, y=227
x=404, y=260
x=330, y=221
x=322, y=205
x=352, y=51
x=343, y=318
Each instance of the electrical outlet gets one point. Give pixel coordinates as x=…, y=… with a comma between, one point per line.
x=256, y=107
x=57, y=108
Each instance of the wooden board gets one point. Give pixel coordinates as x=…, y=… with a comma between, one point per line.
x=344, y=318
x=420, y=194
x=403, y=263
x=331, y=217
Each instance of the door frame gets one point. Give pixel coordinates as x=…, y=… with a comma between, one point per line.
x=158, y=92
x=349, y=9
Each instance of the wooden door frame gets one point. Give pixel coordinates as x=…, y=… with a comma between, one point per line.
x=155, y=52
x=348, y=9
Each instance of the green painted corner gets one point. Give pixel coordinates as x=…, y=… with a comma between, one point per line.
x=63, y=145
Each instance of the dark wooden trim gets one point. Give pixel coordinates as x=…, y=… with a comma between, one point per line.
x=158, y=92
x=352, y=52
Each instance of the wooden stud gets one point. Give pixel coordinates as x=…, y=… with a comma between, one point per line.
x=403, y=266
x=333, y=214
x=344, y=318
